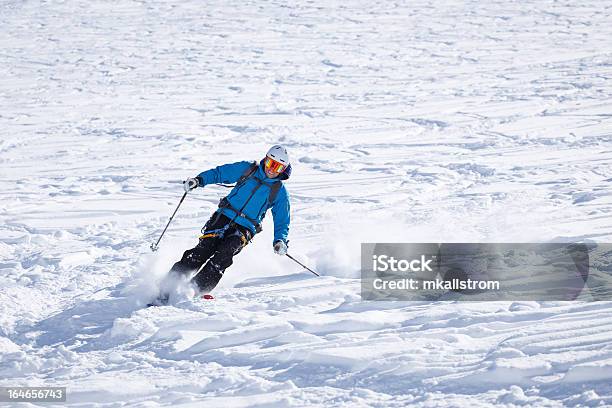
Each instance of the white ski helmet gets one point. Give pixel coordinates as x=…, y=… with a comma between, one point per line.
x=279, y=153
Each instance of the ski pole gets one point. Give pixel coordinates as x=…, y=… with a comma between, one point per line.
x=301, y=264
x=154, y=246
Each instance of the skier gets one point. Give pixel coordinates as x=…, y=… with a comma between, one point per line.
x=258, y=188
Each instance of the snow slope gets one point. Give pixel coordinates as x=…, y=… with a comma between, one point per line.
x=406, y=121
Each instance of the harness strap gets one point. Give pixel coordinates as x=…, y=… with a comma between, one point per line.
x=249, y=173
x=245, y=236
x=219, y=232
x=226, y=204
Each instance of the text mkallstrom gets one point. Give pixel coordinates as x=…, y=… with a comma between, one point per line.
x=436, y=284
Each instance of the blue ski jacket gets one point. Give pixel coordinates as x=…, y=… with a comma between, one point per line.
x=254, y=191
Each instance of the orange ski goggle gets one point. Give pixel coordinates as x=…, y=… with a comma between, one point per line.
x=274, y=166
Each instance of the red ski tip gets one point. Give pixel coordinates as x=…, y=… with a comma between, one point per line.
x=208, y=297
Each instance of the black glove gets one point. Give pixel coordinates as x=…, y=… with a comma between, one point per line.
x=280, y=248
x=191, y=183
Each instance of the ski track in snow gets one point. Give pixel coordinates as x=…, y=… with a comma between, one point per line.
x=420, y=121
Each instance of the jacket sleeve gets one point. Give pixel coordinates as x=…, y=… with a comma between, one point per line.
x=227, y=173
x=280, y=213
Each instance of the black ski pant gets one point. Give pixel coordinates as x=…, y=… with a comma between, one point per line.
x=214, y=250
